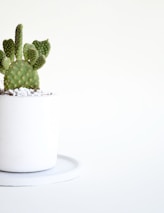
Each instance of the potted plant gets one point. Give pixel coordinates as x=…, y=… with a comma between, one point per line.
x=28, y=140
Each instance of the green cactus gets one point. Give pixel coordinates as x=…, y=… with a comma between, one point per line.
x=20, y=64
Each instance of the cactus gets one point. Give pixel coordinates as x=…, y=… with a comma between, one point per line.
x=20, y=64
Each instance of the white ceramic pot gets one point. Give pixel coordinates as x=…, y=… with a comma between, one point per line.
x=28, y=133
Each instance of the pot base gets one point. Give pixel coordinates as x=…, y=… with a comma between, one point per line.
x=66, y=169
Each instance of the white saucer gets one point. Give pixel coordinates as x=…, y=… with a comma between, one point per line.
x=66, y=169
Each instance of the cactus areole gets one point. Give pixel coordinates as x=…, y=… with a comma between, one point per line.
x=20, y=63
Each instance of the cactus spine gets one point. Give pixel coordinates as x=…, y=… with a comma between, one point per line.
x=20, y=64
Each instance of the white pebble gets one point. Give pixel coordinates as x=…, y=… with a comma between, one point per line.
x=25, y=92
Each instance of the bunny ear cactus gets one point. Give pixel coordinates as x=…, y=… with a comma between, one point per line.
x=20, y=64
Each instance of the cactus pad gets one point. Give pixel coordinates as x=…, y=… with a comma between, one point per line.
x=18, y=71
x=21, y=74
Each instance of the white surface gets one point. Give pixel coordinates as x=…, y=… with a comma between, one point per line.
x=66, y=169
x=107, y=65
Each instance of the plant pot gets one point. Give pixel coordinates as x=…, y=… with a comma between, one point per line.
x=28, y=133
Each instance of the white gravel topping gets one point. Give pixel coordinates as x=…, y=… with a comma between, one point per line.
x=25, y=92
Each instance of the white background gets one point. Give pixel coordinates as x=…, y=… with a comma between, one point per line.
x=107, y=66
